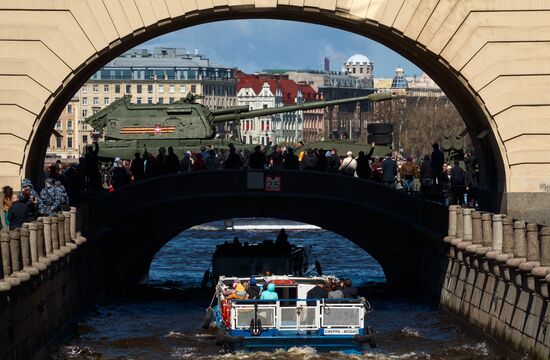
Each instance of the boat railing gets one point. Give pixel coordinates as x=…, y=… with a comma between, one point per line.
x=299, y=314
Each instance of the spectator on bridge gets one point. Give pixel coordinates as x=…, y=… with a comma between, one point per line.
x=257, y=159
x=119, y=175
x=172, y=162
x=458, y=184
x=321, y=164
x=409, y=170
x=364, y=170
x=160, y=163
x=300, y=151
x=198, y=164
x=212, y=160
x=472, y=172
x=149, y=164
x=136, y=168
x=50, y=203
x=349, y=165
x=62, y=194
x=7, y=192
x=389, y=171
x=186, y=164
x=276, y=158
x=27, y=184
x=436, y=164
x=426, y=175
x=309, y=161
x=21, y=210
x=93, y=175
x=234, y=160
x=333, y=161
x=291, y=161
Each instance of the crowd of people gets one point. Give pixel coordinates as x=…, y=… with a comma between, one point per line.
x=26, y=205
x=323, y=289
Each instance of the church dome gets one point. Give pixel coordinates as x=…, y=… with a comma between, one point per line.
x=358, y=59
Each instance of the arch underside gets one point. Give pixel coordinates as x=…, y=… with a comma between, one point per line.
x=409, y=253
x=490, y=57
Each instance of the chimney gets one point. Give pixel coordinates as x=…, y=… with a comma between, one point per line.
x=327, y=64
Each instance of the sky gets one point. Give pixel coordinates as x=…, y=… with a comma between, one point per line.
x=255, y=45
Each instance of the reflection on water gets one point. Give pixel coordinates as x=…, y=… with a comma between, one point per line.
x=161, y=329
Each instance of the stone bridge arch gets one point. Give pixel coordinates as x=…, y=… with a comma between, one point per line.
x=490, y=56
x=401, y=232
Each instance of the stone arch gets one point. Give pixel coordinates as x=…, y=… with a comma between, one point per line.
x=491, y=58
x=402, y=233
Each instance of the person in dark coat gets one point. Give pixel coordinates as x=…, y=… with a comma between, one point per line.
x=458, y=184
x=136, y=168
x=257, y=159
x=21, y=210
x=363, y=166
x=253, y=290
x=233, y=161
x=389, y=171
x=436, y=164
x=291, y=161
x=348, y=290
x=172, y=162
x=317, y=292
x=426, y=175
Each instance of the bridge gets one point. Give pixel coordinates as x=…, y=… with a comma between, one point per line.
x=401, y=232
x=491, y=57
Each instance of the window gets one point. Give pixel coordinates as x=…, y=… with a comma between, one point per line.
x=58, y=141
x=58, y=125
x=149, y=100
x=138, y=100
x=85, y=113
x=353, y=71
x=85, y=139
x=172, y=89
x=106, y=101
x=84, y=88
x=360, y=70
x=106, y=88
x=84, y=101
x=128, y=89
x=96, y=101
x=193, y=88
x=161, y=100
x=117, y=89
x=150, y=89
x=171, y=100
x=69, y=109
x=69, y=125
x=161, y=89
x=182, y=89
x=95, y=111
x=70, y=142
x=138, y=89
x=95, y=87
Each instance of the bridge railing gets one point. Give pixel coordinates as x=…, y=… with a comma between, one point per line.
x=511, y=250
x=36, y=246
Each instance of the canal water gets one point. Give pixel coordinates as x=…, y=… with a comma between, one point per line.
x=158, y=323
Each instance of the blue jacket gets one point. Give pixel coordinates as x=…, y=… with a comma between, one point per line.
x=270, y=293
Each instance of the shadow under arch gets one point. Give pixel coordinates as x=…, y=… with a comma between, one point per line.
x=489, y=147
x=402, y=233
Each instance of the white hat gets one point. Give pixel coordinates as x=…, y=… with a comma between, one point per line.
x=349, y=153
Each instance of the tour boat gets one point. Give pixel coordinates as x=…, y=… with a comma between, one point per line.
x=290, y=321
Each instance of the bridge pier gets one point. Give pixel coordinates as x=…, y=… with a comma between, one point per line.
x=502, y=289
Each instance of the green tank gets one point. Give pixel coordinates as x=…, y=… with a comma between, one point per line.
x=184, y=125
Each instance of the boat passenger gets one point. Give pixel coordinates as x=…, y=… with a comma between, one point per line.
x=270, y=293
x=253, y=289
x=239, y=294
x=317, y=292
x=335, y=292
x=348, y=290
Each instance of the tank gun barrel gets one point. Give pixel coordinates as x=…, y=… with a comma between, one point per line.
x=237, y=115
x=231, y=110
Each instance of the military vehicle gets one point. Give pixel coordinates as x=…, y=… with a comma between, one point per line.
x=184, y=125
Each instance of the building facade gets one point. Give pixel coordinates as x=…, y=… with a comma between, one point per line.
x=163, y=76
x=66, y=139
x=268, y=91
